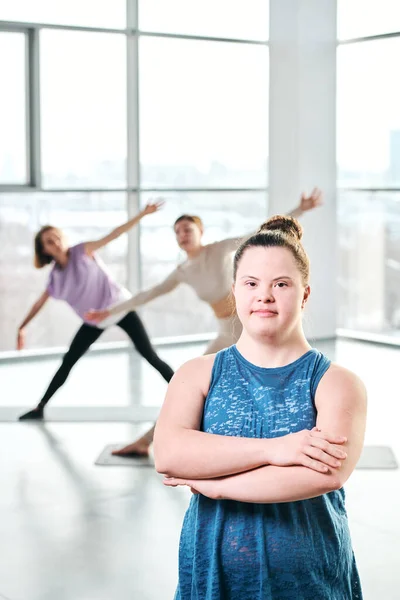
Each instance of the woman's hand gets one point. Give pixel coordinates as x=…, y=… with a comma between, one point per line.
x=206, y=487
x=315, y=449
x=21, y=339
x=96, y=315
x=152, y=207
x=311, y=201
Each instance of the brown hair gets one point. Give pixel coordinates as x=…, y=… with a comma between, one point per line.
x=193, y=219
x=278, y=231
x=41, y=259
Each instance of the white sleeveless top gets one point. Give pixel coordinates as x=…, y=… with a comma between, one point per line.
x=210, y=274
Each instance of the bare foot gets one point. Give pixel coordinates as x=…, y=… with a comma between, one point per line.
x=139, y=448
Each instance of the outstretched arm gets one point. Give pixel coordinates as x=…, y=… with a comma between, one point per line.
x=37, y=306
x=150, y=208
x=341, y=405
x=166, y=286
x=306, y=203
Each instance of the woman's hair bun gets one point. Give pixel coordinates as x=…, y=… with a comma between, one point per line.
x=287, y=225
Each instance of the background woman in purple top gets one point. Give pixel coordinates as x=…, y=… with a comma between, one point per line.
x=80, y=278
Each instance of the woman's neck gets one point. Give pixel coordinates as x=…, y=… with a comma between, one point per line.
x=195, y=252
x=62, y=259
x=271, y=353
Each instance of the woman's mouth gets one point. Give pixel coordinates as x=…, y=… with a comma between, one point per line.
x=265, y=312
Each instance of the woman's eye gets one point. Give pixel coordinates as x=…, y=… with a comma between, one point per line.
x=281, y=284
x=251, y=283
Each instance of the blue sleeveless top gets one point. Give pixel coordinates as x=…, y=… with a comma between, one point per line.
x=233, y=550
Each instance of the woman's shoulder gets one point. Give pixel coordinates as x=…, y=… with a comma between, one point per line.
x=343, y=389
x=216, y=246
x=202, y=363
x=197, y=371
x=78, y=249
x=336, y=375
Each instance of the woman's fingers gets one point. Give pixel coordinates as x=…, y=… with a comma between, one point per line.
x=174, y=481
x=322, y=457
x=329, y=437
x=328, y=448
x=314, y=465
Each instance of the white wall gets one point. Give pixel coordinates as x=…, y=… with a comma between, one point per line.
x=302, y=150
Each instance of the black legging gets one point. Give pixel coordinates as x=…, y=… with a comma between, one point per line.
x=88, y=334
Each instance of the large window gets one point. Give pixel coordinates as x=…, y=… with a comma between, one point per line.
x=368, y=114
x=83, y=108
x=368, y=145
x=13, y=110
x=105, y=105
x=369, y=262
x=203, y=118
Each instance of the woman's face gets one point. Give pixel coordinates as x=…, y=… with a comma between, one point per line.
x=269, y=292
x=53, y=242
x=188, y=235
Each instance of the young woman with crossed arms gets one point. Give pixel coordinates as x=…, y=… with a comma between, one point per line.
x=265, y=433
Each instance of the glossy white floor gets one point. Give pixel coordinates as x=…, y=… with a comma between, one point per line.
x=74, y=531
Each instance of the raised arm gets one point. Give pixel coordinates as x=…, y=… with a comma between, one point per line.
x=181, y=450
x=36, y=307
x=307, y=202
x=150, y=208
x=341, y=406
x=166, y=286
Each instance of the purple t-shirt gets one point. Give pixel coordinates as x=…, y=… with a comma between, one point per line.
x=84, y=283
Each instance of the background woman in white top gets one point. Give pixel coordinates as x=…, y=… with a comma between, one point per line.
x=208, y=270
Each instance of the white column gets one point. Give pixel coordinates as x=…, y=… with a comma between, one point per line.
x=302, y=148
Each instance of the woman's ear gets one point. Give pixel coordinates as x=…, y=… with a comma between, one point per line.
x=306, y=296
